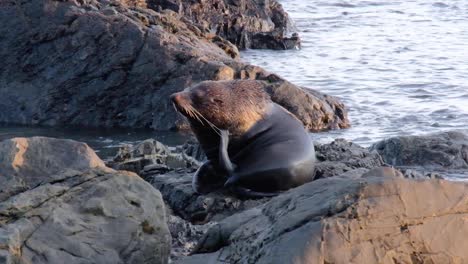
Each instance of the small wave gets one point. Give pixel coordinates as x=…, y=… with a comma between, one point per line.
x=396, y=12
x=421, y=96
x=446, y=69
x=422, y=90
x=341, y=4
x=382, y=70
x=417, y=85
x=385, y=102
x=440, y=4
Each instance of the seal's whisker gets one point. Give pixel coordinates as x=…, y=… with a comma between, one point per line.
x=215, y=128
x=204, y=118
x=190, y=109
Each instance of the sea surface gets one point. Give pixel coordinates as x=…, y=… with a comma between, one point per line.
x=401, y=67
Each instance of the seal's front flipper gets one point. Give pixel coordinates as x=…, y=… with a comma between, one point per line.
x=206, y=179
x=224, y=160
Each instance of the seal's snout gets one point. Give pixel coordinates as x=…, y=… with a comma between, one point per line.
x=175, y=97
x=180, y=102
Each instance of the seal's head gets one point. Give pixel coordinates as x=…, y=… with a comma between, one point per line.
x=232, y=105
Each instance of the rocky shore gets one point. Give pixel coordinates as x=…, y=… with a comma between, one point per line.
x=60, y=203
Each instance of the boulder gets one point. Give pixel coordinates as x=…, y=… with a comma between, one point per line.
x=246, y=23
x=60, y=204
x=317, y=111
x=341, y=156
x=446, y=150
x=375, y=219
x=102, y=63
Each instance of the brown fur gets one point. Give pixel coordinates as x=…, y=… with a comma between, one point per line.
x=232, y=105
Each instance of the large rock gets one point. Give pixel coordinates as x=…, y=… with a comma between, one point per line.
x=101, y=63
x=335, y=220
x=446, y=150
x=246, y=23
x=341, y=156
x=60, y=204
x=317, y=111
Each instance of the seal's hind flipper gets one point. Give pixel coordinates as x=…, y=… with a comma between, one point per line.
x=231, y=181
x=247, y=193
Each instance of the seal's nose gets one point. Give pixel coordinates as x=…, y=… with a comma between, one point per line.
x=175, y=97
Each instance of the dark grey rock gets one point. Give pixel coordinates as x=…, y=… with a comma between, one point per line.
x=246, y=23
x=342, y=156
x=60, y=204
x=446, y=150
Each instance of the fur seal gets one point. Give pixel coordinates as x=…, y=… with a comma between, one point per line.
x=254, y=146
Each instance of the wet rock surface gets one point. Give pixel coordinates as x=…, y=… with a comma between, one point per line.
x=334, y=220
x=114, y=64
x=60, y=204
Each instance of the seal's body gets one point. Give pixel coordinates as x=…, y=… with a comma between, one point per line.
x=254, y=146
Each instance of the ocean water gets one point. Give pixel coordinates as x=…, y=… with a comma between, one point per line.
x=401, y=67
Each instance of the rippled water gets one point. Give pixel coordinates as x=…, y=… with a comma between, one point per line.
x=401, y=67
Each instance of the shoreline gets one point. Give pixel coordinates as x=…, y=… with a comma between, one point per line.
x=349, y=178
x=107, y=142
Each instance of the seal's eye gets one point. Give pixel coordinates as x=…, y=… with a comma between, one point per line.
x=197, y=96
x=216, y=100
